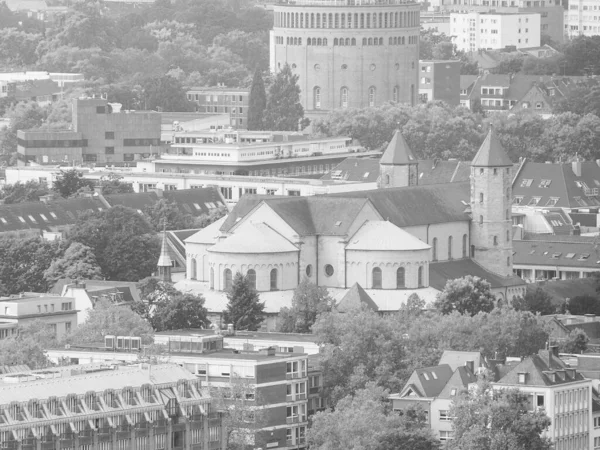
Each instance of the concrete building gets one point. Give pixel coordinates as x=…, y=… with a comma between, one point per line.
x=582, y=18
x=102, y=407
x=62, y=79
x=60, y=313
x=101, y=133
x=346, y=53
x=233, y=102
x=439, y=80
x=472, y=31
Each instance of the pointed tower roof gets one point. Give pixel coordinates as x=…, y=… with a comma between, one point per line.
x=491, y=153
x=355, y=298
x=398, y=152
x=164, y=260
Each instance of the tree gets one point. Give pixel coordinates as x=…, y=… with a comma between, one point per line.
x=167, y=213
x=112, y=184
x=584, y=304
x=535, y=300
x=244, y=310
x=215, y=214
x=108, y=318
x=28, y=346
x=466, y=295
x=152, y=292
x=30, y=191
x=576, y=342
x=308, y=302
x=165, y=94
x=487, y=419
x=284, y=111
x=181, y=311
x=77, y=263
x=69, y=182
x=257, y=102
x=414, y=305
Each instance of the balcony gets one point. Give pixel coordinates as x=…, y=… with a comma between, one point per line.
x=295, y=419
x=295, y=398
x=314, y=390
x=295, y=375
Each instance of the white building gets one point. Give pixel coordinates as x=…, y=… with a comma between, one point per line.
x=582, y=18
x=479, y=30
x=18, y=77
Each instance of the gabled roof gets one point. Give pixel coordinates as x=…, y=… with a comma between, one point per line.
x=138, y=201
x=460, y=379
x=208, y=234
x=254, y=238
x=398, y=152
x=196, y=201
x=564, y=254
x=535, y=366
x=355, y=298
x=364, y=170
x=384, y=236
x=404, y=206
x=441, y=272
x=491, y=153
x=456, y=359
x=431, y=380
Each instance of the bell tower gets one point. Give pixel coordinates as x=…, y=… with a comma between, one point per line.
x=491, y=198
x=398, y=165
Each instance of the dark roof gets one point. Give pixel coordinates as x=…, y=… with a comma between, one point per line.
x=441, y=272
x=196, y=201
x=535, y=366
x=433, y=379
x=355, y=169
x=491, y=153
x=418, y=205
x=355, y=298
x=466, y=81
x=439, y=172
x=398, y=152
x=549, y=253
x=138, y=201
x=460, y=379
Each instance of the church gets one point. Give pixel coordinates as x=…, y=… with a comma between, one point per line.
x=385, y=244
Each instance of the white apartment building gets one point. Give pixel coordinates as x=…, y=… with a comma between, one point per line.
x=582, y=18
x=477, y=30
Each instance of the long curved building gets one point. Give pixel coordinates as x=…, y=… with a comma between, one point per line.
x=348, y=53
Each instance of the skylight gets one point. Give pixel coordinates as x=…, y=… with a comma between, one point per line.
x=44, y=218
x=584, y=256
x=3, y=220
x=556, y=255
x=425, y=376
x=526, y=182
x=197, y=206
x=53, y=215
x=21, y=219
x=545, y=183
x=570, y=255
x=32, y=218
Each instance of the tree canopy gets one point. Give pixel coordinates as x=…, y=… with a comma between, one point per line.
x=535, y=300
x=284, y=111
x=468, y=295
x=70, y=182
x=257, y=102
x=77, y=263
x=244, y=309
x=180, y=311
x=308, y=302
x=28, y=346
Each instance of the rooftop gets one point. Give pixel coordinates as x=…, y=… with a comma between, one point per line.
x=243, y=335
x=564, y=254
x=383, y=235
x=441, y=272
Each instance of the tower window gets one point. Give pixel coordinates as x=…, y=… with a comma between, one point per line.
x=480, y=220
x=507, y=214
x=472, y=251
x=495, y=240
x=372, y=96
x=434, y=249
x=377, y=278
x=508, y=261
x=507, y=235
x=480, y=171
x=317, y=97
x=227, y=278
x=273, y=279
x=481, y=197
x=387, y=180
x=495, y=171
x=344, y=97
x=396, y=93
x=420, y=276
x=400, y=278
x=464, y=246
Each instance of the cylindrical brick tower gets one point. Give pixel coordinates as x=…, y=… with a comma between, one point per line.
x=348, y=53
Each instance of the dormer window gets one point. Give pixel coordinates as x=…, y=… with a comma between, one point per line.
x=522, y=377
x=425, y=376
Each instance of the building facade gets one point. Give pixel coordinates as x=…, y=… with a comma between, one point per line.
x=439, y=80
x=582, y=18
x=348, y=53
x=233, y=102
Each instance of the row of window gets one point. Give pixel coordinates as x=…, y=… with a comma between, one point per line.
x=398, y=40
x=54, y=143
x=434, y=247
x=377, y=278
x=345, y=94
x=250, y=275
x=347, y=20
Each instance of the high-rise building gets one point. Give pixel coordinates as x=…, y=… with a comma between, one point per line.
x=582, y=18
x=348, y=53
x=439, y=80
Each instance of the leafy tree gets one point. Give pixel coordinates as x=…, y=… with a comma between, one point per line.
x=443, y=51
x=166, y=213
x=244, y=310
x=108, y=318
x=576, y=342
x=535, y=300
x=30, y=191
x=359, y=346
x=414, y=305
x=308, y=302
x=584, y=304
x=23, y=116
x=165, y=93
x=257, y=102
x=486, y=419
x=78, y=262
x=509, y=65
x=28, y=346
x=70, y=182
x=180, y=312
x=215, y=214
x=468, y=295
x=284, y=111
x=582, y=56
x=17, y=47
x=112, y=184
x=153, y=291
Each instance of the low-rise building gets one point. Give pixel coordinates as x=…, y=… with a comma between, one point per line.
x=221, y=100
x=439, y=81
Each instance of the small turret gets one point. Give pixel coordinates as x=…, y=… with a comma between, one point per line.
x=398, y=165
x=164, y=260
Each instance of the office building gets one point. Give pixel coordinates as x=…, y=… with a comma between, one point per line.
x=582, y=18
x=439, y=81
x=220, y=100
x=346, y=53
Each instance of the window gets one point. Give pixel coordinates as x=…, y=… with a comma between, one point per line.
x=252, y=278
x=317, y=97
x=495, y=240
x=400, y=278
x=344, y=97
x=540, y=401
x=481, y=197
x=444, y=417
x=109, y=150
x=109, y=135
x=449, y=247
x=434, y=249
x=100, y=109
x=329, y=270
x=376, y=278
x=517, y=200
x=67, y=306
x=396, y=94
x=445, y=435
x=480, y=220
x=227, y=281
x=67, y=327
x=464, y=246
x=534, y=201
x=420, y=276
x=273, y=277
x=371, y=96
x=552, y=201
x=309, y=270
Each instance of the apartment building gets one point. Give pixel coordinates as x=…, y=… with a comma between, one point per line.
x=472, y=31
x=219, y=100
x=582, y=18
x=439, y=80
x=108, y=407
x=58, y=312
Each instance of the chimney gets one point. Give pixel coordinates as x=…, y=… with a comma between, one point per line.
x=98, y=189
x=576, y=166
x=470, y=365
x=554, y=350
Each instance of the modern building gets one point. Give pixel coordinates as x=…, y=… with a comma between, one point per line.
x=101, y=133
x=221, y=100
x=108, y=407
x=581, y=18
x=439, y=81
x=472, y=31
x=14, y=78
x=60, y=313
x=348, y=54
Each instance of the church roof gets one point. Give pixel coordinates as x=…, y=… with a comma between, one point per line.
x=491, y=153
x=208, y=234
x=254, y=238
x=383, y=235
x=164, y=260
x=355, y=298
x=398, y=151
x=441, y=272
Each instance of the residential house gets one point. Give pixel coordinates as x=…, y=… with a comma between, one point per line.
x=439, y=81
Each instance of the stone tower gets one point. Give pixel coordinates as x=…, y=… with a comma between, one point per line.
x=491, y=198
x=164, y=260
x=398, y=166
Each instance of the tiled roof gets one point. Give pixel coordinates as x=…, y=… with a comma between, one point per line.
x=548, y=253
x=384, y=236
x=364, y=170
x=438, y=172
x=456, y=359
x=441, y=272
x=460, y=379
x=404, y=206
x=196, y=201
x=355, y=298
x=433, y=379
x=466, y=81
x=398, y=152
x=254, y=238
x=138, y=201
x=535, y=366
x=491, y=153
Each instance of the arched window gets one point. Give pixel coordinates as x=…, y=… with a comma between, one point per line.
x=380, y=41
x=395, y=41
x=434, y=249
x=341, y=41
x=390, y=41
x=400, y=278
x=396, y=94
x=372, y=96
x=251, y=275
x=364, y=41
x=387, y=179
x=480, y=220
x=193, y=274
x=324, y=41
x=472, y=251
x=449, y=247
x=273, y=277
x=347, y=41
x=344, y=97
x=370, y=41
x=227, y=279
x=375, y=41
x=376, y=278
x=420, y=276
x=335, y=42
x=308, y=41
x=353, y=41
x=212, y=278
x=319, y=41
x=507, y=214
x=464, y=246
x=495, y=240
x=299, y=41
x=317, y=97
x=481, y=197
x=318, y=20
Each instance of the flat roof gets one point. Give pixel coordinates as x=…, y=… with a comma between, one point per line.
x=243, y=335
